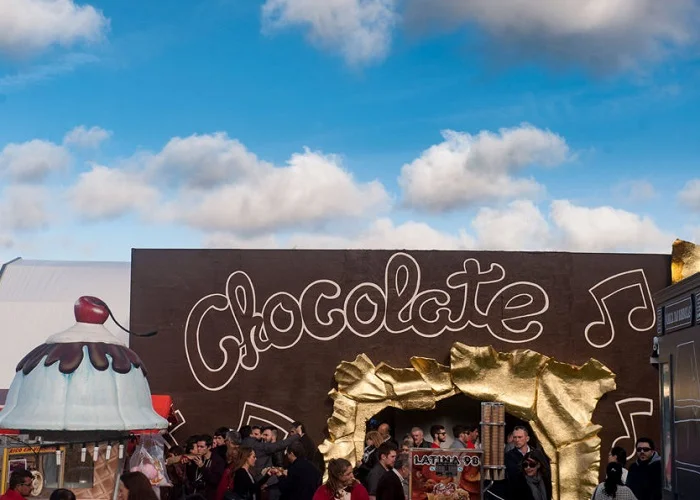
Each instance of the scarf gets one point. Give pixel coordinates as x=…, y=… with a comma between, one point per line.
x=539, y=492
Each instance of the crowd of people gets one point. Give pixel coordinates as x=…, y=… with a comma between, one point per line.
x=253, y=464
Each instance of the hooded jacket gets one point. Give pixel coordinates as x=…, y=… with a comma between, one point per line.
x=644, y=478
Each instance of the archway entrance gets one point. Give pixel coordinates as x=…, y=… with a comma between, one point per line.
x=556, y=400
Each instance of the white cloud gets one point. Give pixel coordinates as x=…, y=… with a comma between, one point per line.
x=33, y=25
x=106, y=193
x=602, y=229
x=23, y=208
x=84, y=137
x=312, y=188
x=213, y=183
x=601, y=34
x=689, y=196
x=205, y=161
x=360, y=30
x=228, y=240
x=519, y=226
x=32, y=161
x=465, y=170
x=384, y=234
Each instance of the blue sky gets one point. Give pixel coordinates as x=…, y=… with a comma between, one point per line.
x=319, y=123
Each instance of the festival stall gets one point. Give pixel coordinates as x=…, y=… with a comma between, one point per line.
x=461, y=474
x=675, y=354
x=73, y=405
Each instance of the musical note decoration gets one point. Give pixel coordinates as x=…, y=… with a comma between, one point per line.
x=628, y=409
x=601, y=333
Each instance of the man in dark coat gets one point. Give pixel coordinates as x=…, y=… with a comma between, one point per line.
x=645, y=475
x=312, y=454
x=301, y=480
x=514, y=457
x=205, y=469
x=393, y=485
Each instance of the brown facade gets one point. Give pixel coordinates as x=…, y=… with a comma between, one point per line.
x=288, y=318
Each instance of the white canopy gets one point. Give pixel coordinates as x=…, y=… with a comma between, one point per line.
x=37, y=297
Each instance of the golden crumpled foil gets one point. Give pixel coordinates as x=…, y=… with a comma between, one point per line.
x=557, y=399
x=685, y=260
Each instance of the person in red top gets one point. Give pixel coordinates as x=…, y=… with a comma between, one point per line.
x=20, y=485
x=341, y=484
x=439, y=435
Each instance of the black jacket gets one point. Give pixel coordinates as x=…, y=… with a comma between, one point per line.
x=312, y=454
x=644, y=478
x=301, y=482
x=206, y=480
x=246, y=487
x=390, y=487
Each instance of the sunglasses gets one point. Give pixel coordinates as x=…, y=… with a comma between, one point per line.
x=643, y=449
x=530, y=464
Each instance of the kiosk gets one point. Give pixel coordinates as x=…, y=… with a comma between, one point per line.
x=676, y=351
x=72, y=406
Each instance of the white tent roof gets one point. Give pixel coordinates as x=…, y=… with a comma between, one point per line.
x=37, y=297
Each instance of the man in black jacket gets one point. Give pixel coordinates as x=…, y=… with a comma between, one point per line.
x=301, y=480
x=205, y=469
x=514, y=457
x=645, y=475
x=393, y=485
x=312, y=454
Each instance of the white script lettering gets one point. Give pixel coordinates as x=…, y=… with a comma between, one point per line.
x=323, y=312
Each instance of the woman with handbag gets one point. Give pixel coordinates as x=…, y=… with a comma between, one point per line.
x=245, y=486
x=341, y=484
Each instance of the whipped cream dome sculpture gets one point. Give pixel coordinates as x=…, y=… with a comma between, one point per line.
x=82, y=379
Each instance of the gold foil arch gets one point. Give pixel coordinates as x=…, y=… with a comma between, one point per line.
x=556, y=399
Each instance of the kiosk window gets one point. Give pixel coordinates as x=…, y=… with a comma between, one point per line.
x=666, y=425
x=78, y=474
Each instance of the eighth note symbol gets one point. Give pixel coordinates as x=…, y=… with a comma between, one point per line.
x=633, y=407
x=640, y=318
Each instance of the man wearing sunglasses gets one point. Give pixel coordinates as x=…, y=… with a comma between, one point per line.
x=644, y=476
x=20, y=485
x=439, y=436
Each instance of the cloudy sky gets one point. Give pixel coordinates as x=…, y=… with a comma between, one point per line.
x=451, y=124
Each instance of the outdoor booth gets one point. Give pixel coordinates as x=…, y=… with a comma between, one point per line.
x=676, y=349
x=73, y=406
x=461, y=474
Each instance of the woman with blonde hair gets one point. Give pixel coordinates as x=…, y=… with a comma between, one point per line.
x=341, y=484
x=373, y=440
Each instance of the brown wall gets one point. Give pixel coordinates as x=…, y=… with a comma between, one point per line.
x=166, y=285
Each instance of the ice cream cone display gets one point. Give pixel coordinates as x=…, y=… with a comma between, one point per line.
x=72, y=400
x=81, y=379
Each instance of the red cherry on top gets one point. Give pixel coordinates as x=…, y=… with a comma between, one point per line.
x=91, y=310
